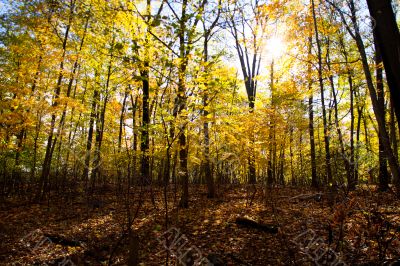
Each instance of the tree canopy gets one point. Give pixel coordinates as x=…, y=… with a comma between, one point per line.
x=179, y=94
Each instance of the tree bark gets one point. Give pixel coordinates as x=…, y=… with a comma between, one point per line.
x=321, y=85
x=145, y=139
x=207, y=167
x=383, y=171
x=379, y=112
x=181, y=105
x=89, y=141
x=314, y=178
x=388, y=40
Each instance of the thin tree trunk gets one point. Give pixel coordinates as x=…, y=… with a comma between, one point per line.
x=50, y=145
x=145, y=139
x=358, y=133
x=272, y=151
x=86, y=169
x=314, y=178
x=393, y=132
x=292, y=175
x=134, y=146
x=100, y=122
x=321, y=85
x=120, y=133
x=350, y=181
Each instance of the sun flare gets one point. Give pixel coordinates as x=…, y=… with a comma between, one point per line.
x=275, y=47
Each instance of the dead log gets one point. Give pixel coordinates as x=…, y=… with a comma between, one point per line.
x=61, y=240
x=304, y=197
x=250, y=223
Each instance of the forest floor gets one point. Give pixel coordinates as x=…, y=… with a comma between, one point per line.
x=322, y=228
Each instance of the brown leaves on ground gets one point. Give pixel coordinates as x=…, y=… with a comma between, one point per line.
x=360, y=227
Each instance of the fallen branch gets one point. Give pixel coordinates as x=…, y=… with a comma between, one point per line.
x=61, y=240
x=250, y=223
x=316, y=197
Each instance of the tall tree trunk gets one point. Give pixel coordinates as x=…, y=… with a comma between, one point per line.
x=383, y=171
x=271, y=134
x=358, y=133
x=352, y=171
x=50, y=145
x=22, y=134
x=134, y=104
x=207, y=164
x=292, y=175
x=250, y=69
x=75, y=69
x=350, y=181
x=379, y=112
x=96, y=156
x=281, y=175
x=314, y=178
x=393, y=132
x=353, y=167
x=145, y=139
x=321, y=85
x=181, y=102
x=388, y=40
x=120, y=133
x=301, y=157
x=100, y=121
x=86, y=169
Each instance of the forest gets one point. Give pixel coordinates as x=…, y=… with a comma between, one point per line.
x=199, y=132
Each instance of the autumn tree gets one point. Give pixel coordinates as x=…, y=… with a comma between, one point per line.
x=247, y=25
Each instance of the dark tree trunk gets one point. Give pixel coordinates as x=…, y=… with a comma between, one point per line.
x=383, y=171
x=181, y=105
x=96, y=156
x=145, y=178
x=120, y=133
x=393, y=132
x=379, y=112
x=292, y=175
x=134, y=146
x=100, y=121
x=314, y=178
x=321, y=85
x=144, y=142
x=388, y=40
x=358, y=133
x=207, y=164
x=90, y=136
x=352, y=172
x=271, y=135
